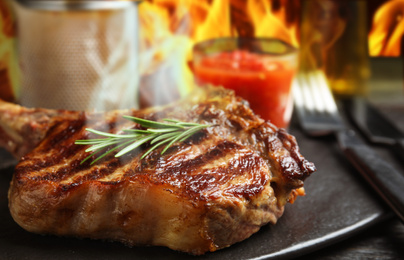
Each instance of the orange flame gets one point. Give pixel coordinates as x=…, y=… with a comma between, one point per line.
x=387, y=29
x=170, y=28
x=268, y=22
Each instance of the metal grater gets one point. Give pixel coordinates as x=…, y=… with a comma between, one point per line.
x=78, y=55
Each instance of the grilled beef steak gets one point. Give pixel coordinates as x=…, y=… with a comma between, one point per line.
x=208, y=192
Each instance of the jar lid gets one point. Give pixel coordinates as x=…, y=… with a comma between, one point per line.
x=63, y=5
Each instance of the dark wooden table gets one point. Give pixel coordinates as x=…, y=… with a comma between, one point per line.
x=383, y=241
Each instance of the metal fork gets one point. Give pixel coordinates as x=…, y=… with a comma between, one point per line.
x=318, y=115
x=315, y=105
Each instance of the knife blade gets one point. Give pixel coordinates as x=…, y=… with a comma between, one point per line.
x=383, y=177
x=375, y=126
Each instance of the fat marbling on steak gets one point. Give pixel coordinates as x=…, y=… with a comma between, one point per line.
x=208, y=192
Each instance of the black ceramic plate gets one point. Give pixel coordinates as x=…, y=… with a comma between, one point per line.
x=338, y=204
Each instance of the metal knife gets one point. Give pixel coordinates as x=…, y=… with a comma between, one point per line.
x=375, y=126
x=383, y=177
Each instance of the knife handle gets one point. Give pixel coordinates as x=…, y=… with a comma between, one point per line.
x=399, y=148
x=382, y=176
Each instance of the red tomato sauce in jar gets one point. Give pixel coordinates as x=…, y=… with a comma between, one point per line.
x=263, y=82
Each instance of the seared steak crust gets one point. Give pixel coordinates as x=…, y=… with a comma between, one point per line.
x=210, y=191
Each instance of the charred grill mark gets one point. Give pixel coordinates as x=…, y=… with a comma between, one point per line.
x=249, y=167
x=36, y=165
x=54, y=176
x=62, y=133
x=31, y=165
x=96, y=173
x=200, y=175
x=87, y=171
x=253, y=169
x=60, y=140
x=68, y=187
x=173, y=167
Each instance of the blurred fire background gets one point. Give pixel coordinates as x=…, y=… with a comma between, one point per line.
x=335, y=35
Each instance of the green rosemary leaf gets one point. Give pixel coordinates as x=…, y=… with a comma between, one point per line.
x=87, y=158
x=155, y=146
x=89, y=141
x=180, y=136
x=151, y=124
x=163, y=130
x=157, y=133
x=192, y=132
x=184, y=124
x=136, y=131
x=101, y=133
x=134, y=145
x=175, y=121
x=164, y=136
x=110, y=151
x=107, y=143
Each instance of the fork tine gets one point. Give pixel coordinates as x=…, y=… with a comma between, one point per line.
x=302, y=107
x=324, y=92
x=315, y=105
x=297, y=92
x=316, y=97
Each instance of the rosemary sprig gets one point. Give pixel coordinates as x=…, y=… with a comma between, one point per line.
x=157, y=133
